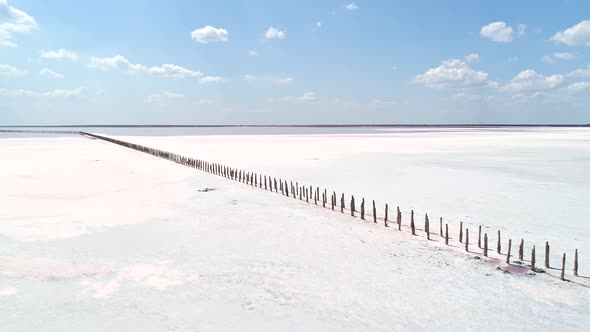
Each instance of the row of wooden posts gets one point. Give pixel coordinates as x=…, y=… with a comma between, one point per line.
x=290, y=189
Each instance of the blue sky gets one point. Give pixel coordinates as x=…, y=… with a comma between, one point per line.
x=270, y=62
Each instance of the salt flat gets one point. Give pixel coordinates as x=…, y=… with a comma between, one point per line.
x=529, y=183
x=97, y=237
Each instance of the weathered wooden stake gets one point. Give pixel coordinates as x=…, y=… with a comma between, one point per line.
x=441, y=230
x=479, y=237
x=485, y=244
x=533, y=259
x=352, y=206
x=363, y=209
x=547, y=254
x=509, y=250
x=521, y=250
x=427, y=226
x=499, y=245
x=576, y=264
x=374, y=213
x=399, y=219
x=461, y=232
x=467, y=239
x=412, y=226
x=563, y=267
x=447, y=234
x=342, y=203
x=386, y=214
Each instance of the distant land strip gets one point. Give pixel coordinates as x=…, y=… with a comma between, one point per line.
x=306, y=126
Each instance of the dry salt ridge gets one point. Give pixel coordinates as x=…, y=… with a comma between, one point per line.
x=100, y=237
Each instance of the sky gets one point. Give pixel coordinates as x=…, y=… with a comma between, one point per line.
x=294, y=62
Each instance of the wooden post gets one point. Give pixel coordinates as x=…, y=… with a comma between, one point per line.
x=521, y=250
x=533, y=259
x=461, y=231
x=447, y=234
x=576, y=264
x=509, y=249
x=333, y=200
x=374, y=213
x=485, y=244
x=325, y=196
x=324, y=200
x=363, y=209
x=547, y=254
x=352, y=206
x=412, y=226
x=386, y=214
x=479, y=237
x=399, y=219
x=342, y=203
x=441, y=231
x=427, y=227
x=499, y=245
x=307, y=192
x=467, y=239
x=563, y=267
x=287, y=189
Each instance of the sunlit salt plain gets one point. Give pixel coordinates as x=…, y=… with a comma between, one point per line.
x=96, y=237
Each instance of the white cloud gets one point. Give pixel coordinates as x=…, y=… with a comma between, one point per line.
x=351, y=6
x=60, y=54
x=557, y=56
x=10, y=71
x=472, y=57
x=563, y=56
x=497, y=31
x=318, y=24
x=274, y=80
x=454, y=73
x=50, y=73
x=170, y=70
x=530, y=80
x=209, y=34
x=580, y=73
x=579, y=88
x=274, y=33
x=7, y=291
x=521, y=29
x=117, y=62
x=211, y=80
x=13, y=20
x=252, y=53
x=579, y=34
x=308, y=96
x=55, y=93
x=158, y=97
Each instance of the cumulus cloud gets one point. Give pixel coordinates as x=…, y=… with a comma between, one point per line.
x=580, y=73
x=158, y=97
x=497, y=31
x=60, y=54
x=274, y=33
x=10, y=71
x=13, y=20
x=577, y=35
x=308, y=96
x=274, y=80
x=209, y=34
x=55, y=93
x=579, y=88
x=351, y=6
x=558, y=56
x=472, y=57
x=118, y=62
x=454, y=73
x=530, y=80
x=50, y=73
x=207, y=80
x=252, y=53
x=521, y=29
x=170, y=70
